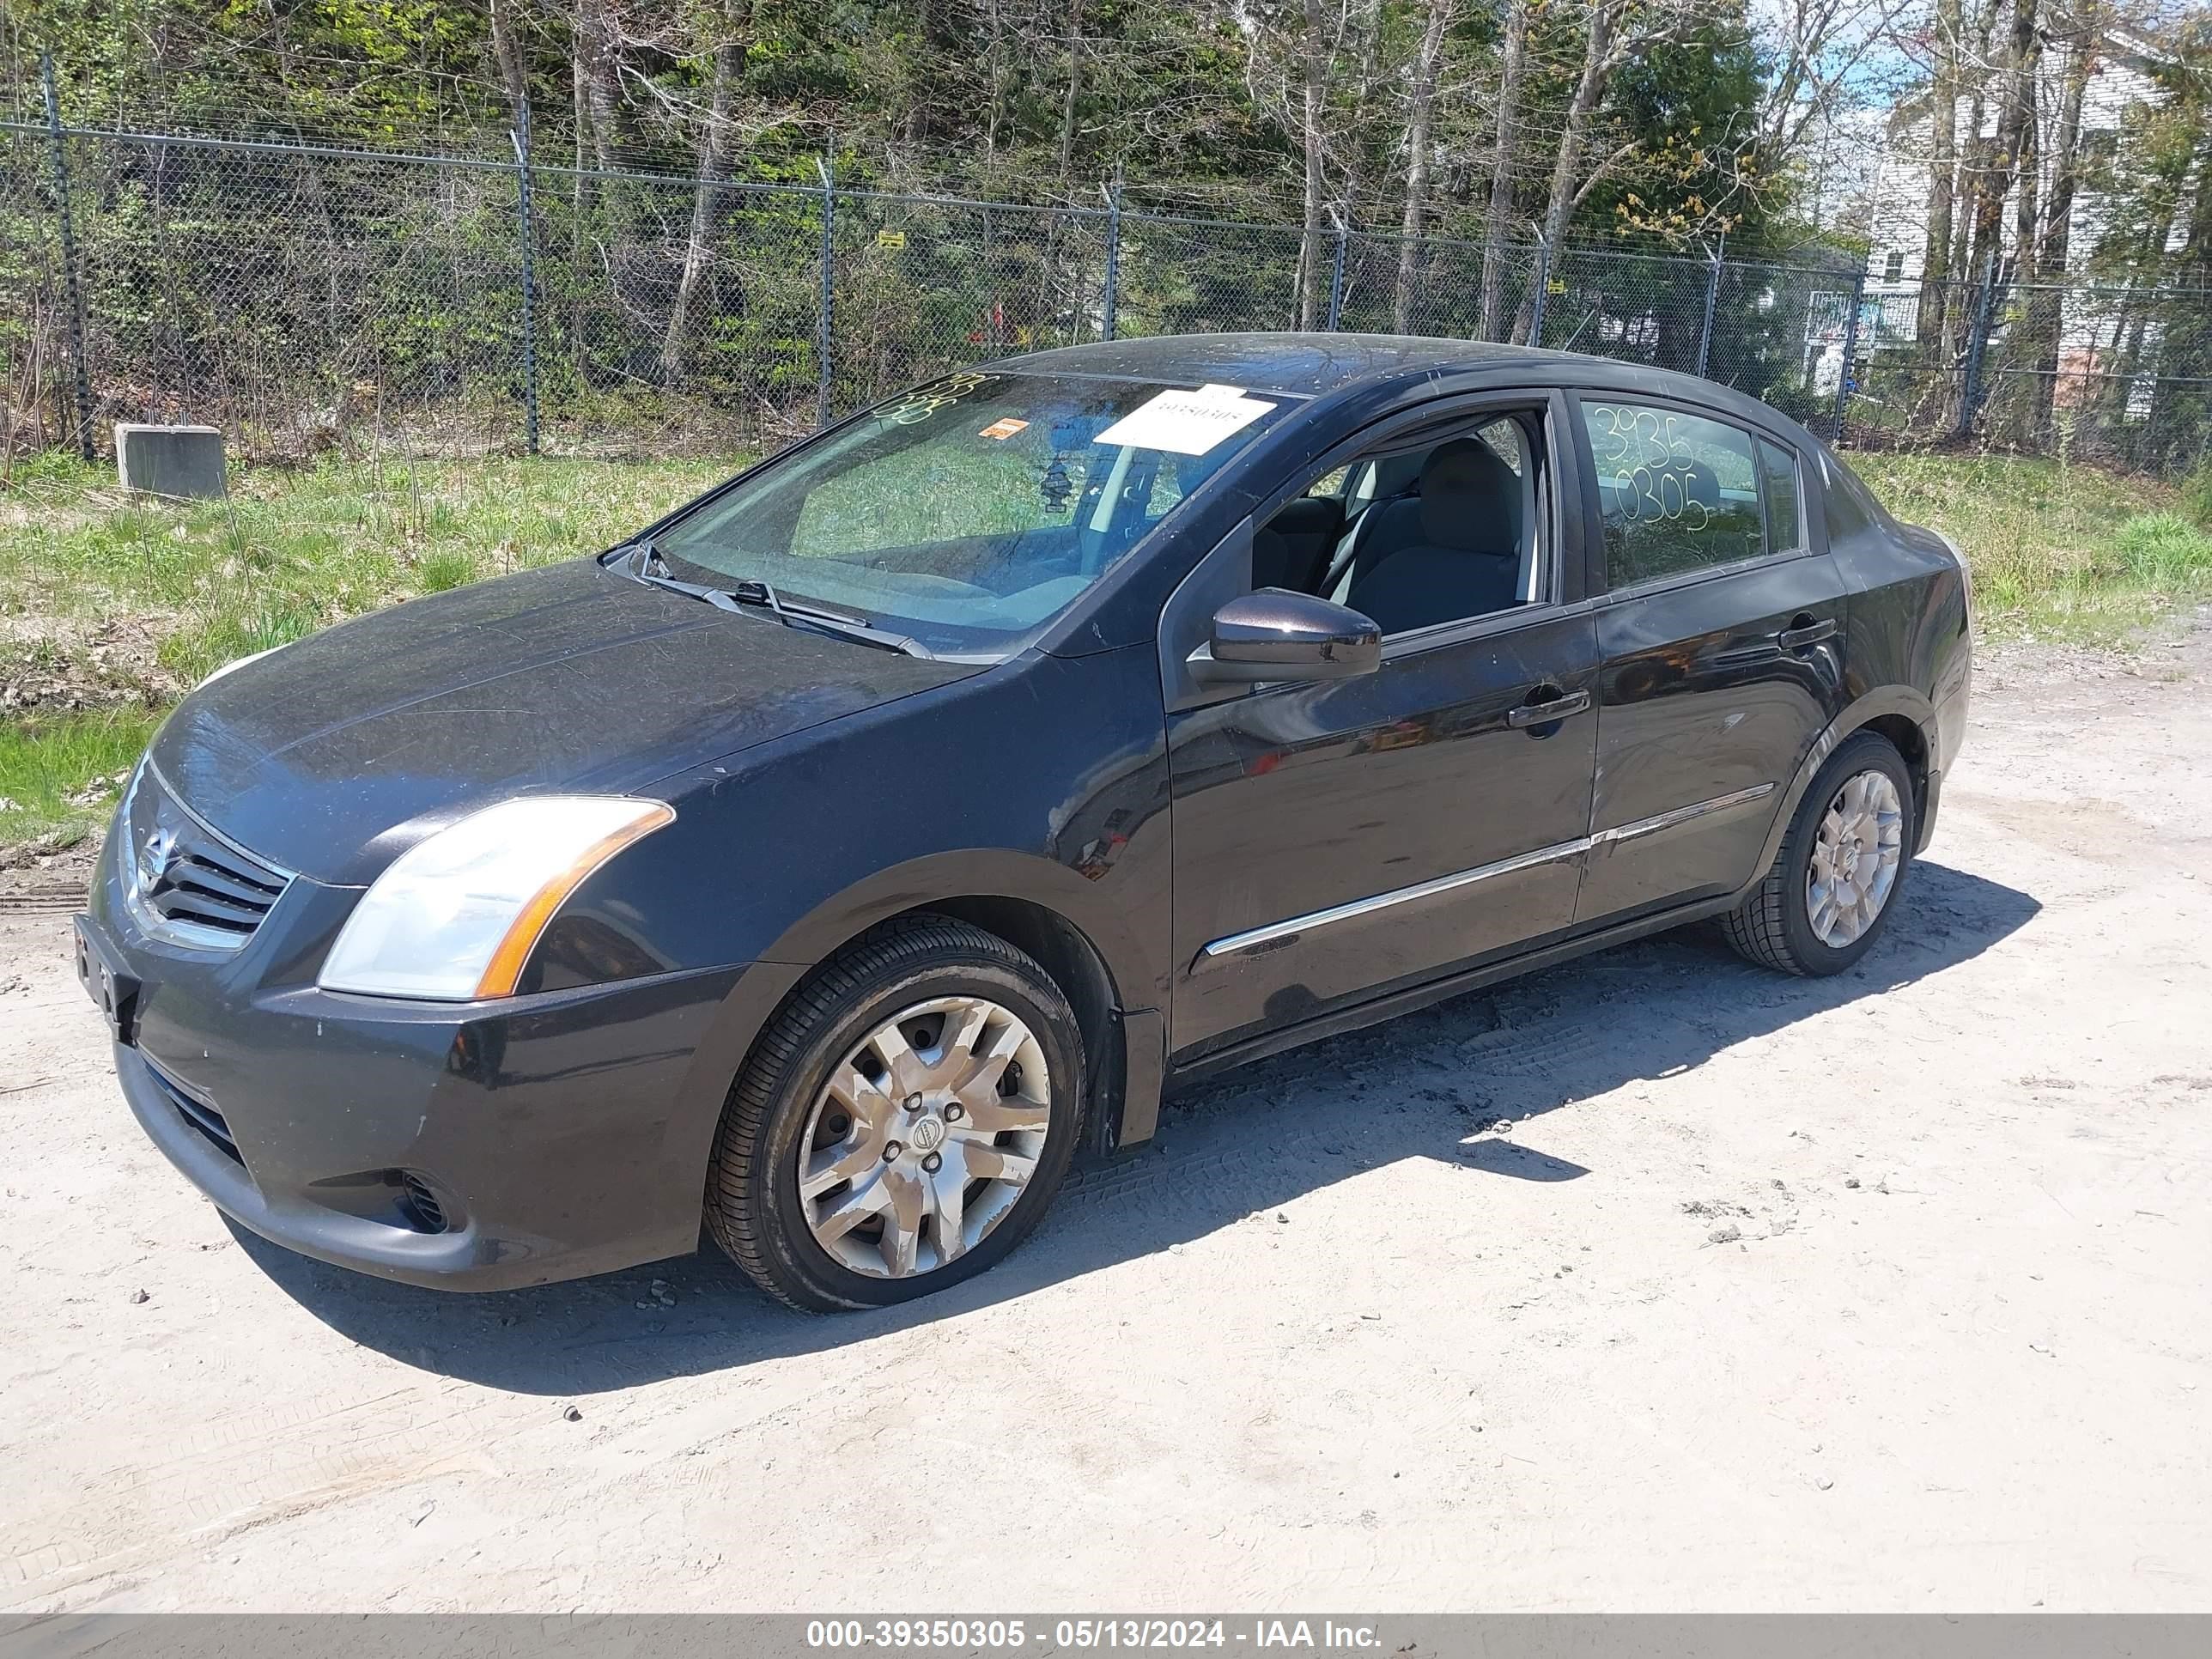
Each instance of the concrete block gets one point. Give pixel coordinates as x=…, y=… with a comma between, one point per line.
x=185, y=462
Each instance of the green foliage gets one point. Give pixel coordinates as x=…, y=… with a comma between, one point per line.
x=2164, y=551
x=176, y=592
x=2057, y=550
x=2197, y=494
x=216, y=633
x=1696, y=170
x=449, y=567
x=59, y=773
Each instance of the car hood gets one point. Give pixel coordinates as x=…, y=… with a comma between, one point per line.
x=333, y=756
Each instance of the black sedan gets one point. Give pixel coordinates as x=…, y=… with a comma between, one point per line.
x=836, y=858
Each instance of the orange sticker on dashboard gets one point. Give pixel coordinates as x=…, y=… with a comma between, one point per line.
x=1004, y=429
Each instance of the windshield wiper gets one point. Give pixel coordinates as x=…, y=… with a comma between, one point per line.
x=648, y=566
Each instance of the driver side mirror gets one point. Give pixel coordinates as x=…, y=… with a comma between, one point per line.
x=1274, y=635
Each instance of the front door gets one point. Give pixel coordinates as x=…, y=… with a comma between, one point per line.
x=1333, y=841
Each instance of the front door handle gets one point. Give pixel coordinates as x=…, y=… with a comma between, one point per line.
x=1804, y=631
x=1543, y=714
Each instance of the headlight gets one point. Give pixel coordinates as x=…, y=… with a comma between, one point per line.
x=455, y=916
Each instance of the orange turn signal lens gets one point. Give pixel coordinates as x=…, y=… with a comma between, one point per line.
x=501, y=974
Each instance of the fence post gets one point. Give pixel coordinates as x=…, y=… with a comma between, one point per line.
x=1851, y=352
x=1713, y=301
x=1977, y=344
x=520, y=134
x=1543, y=288
x=1113, y=256
x=1336, y=279
x=823, y=312
x=82, y=374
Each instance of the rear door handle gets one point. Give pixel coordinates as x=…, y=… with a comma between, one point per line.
x=1543, y=714
x=1805, y=632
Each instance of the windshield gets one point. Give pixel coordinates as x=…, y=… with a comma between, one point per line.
x=971, y=511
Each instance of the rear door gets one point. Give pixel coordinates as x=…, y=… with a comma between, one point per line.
x=1721, y=642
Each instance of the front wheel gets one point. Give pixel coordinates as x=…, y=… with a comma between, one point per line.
x=1836, y=878
x=902, y=1122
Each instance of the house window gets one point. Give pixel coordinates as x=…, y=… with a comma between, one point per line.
x=1892, y=267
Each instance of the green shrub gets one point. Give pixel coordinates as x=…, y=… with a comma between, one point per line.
x=2164, y=550
x=447, y=567
x=2197, y=494
x=59, y=773
x=217, y=635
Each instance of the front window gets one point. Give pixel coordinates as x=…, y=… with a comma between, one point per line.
x=972, y=511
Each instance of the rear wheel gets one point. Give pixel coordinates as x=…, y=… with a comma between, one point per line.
x=902, y=1122
x=1836, y=878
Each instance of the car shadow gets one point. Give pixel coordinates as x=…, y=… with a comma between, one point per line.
x=1432, y=1085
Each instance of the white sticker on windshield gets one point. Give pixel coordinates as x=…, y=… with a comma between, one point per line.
x=1186, y=422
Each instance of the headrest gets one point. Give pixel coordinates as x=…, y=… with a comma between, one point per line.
x=1308, y=515
x=1470, y=499
x=1394, y=475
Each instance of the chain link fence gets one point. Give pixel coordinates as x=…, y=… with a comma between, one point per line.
x=306, y=298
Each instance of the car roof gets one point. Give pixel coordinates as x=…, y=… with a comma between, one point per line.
x=1311, y=365
x=1304, y=364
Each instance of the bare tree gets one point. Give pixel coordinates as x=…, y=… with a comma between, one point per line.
x=1422, y=113
x=1615, y=29
x=1074, y=89
x=1822, y=52
x=730, y=54
x=2041, y=327
x=1946, y=45
x=1505, y=156
x=1977, y=155
x=508, y=50
x=597, y=69
x=1290, y=54
x=1366, y=73
x=1988, y=172
x=1314, y=94
x=1994, y=182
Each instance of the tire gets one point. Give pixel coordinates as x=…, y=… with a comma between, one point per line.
x=1776, y=926
x=826, y=1088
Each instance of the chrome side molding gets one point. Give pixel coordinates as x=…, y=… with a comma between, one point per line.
x=1335, y=912
x=1682, y=814
x=1253, y=938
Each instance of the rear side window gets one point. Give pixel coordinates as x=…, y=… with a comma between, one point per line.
x=1785, y=519
x=1678, y=492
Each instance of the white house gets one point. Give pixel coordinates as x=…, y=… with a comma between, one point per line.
x=2121, y=79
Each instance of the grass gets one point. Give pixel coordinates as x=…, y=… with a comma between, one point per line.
x=59, y=773
x=2058, y=552
x=293, y=550
x=111, y=608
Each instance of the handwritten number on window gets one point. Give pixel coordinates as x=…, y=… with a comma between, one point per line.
x=1650, y=465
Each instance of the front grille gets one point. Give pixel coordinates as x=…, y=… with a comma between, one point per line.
x=195, y=1111
x=210, y=886
x=188, y=883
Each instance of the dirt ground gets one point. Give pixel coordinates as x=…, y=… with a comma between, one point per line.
x=1883, y=1292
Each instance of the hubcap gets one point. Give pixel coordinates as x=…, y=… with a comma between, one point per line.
x=1856, y=859
x=925, y=1137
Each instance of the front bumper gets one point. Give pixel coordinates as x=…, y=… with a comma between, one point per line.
x=477, y=1146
